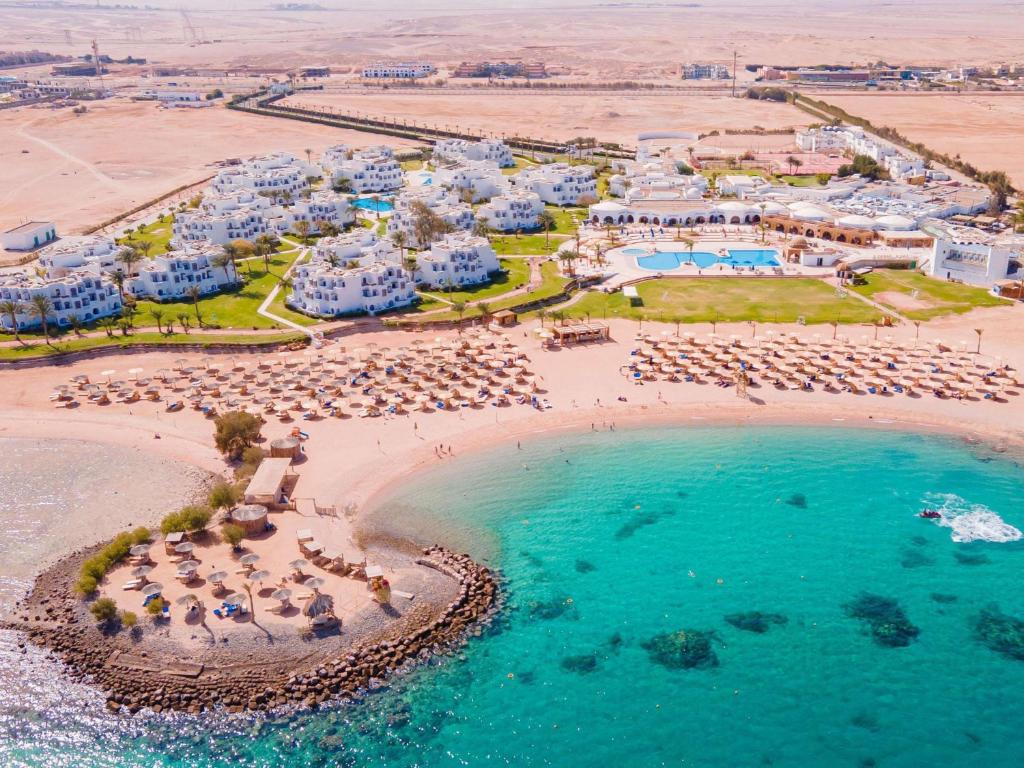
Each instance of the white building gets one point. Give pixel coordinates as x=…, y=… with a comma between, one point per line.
x=364, y=278
x=741, y=186
x=487, y=149
x=558, y=183
x=399, y=70
x=29, y=236
x=280, y=176
x=704, y=72
x=369, y=170
x=966, y=258
x=477, y=180
x=83, y=295
x=321, y=206
x=826, y=140
x=95, y=252
x=511, y=211
x=173, y=274
x=224, y=217
x=457, y=260
x=640, y=183
x=442, y=202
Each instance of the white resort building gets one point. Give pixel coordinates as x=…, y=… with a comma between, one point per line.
x=224, y=217
x=369, y=170
x=398, y=70
x=280, y=176
x=28, y=236
x=475, y=179
x=442, y=202
x=172, y=275
x=511, y=211
x=98, y=253
x=487, y=149
x=457, y=259
x=558, y=183
x=970, y=256
x=83, y=295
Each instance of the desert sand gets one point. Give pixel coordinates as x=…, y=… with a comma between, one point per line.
x=80, y=170
x=617, y=116
x=983, y=128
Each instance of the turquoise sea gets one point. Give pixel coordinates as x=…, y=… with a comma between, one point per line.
x=677, y=597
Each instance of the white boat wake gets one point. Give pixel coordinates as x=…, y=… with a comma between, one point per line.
x=970, y=522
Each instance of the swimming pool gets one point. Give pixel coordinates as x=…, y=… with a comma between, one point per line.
x=663, y=261
x=369, y=204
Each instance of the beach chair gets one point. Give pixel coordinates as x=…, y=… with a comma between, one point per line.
x=133, y=584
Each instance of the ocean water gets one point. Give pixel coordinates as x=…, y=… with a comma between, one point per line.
x=677, y=597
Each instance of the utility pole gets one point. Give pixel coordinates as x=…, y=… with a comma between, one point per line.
x=734, y=73
x=96, y=61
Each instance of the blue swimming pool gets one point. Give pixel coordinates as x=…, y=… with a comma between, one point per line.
x=369, y=204
x=663, y=261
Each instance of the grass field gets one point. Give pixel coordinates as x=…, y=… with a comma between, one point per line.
x=158, y=234
x=517, y=273
x=696, y=300
x=526, y=245
x=38, y=349
x=895, y=288
x=801, y=181
x=552, y=284
x=234, y=309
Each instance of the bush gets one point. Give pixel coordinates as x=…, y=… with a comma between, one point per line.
x=128, y=619
x=155, y=606
x=235, y=431
x=96, y=567
x=232, y=534
x=103, y=610
x=141, y=535
x=223, y=496
x=191, y=518
x=86, y=585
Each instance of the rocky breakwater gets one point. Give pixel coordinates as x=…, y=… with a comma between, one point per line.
x=147, y=677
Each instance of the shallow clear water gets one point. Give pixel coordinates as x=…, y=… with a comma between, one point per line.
x=609, y=540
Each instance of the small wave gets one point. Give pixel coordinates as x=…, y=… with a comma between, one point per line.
x=970, y=522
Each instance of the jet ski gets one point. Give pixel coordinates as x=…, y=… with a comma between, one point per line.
x=929, y=514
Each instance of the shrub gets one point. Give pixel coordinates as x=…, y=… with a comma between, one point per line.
x=128, y=619
x=235, y=431
x=223, y=496
x=96, y=567
x=141, y=535
x=233, y=534
x=103, y=610
x=155, y=606
x=191, y=518
x=86, y=585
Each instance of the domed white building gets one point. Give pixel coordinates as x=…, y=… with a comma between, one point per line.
x=895, y=222
x=858, y=221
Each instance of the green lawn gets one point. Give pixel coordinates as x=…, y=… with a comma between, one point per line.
x=801, y=181
x=517, y=274
x=158, y=234
x=563, y=218
x=521, y=162
x=527, y=245
x=234, y=309
x=695, y=300
x=412, y=165
x=37, y=349
x=933, y=298
x=552, y=283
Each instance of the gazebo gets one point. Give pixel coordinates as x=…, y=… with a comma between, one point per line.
x=285, y=448
x=252, y=517
x=320, y=609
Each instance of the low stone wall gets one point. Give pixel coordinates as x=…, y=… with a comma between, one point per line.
x=53, y=618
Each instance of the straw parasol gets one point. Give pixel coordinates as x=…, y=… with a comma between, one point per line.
x=189, y=566
x=236, y=598
x=259, y=576
x=314, y=583
x=152, y=589
x=142, y=571
x=185, y=548
x=139, y=550
x=319, y=605
x=217, y=577
x=188, y=599
x=282, y=595
x=250, y=559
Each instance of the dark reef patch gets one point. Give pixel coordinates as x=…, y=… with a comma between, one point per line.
x=865, y=720
x=797, y=500
x=685, y=649
x=641, y=520
x=585, y=566
x=756, y=621
x=942, y=597
x=552, y=608
x=887, y=621
x=968, y=558
x=1000, y=632
x=582, y=664
x=919, y=541
x=912, y=558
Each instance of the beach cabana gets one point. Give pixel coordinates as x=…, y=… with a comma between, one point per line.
x=579, y=333
x=267, y=485
x=252, y=517
x=320, y=610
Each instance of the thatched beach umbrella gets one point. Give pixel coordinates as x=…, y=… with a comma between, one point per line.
x=142, y=571
x=319, y=605
x=139, y=550
x=189, y=566
x=188, y=600
x=250, y=559
x=185, y=548
x=259, y=576
x=152, y=588
x=282, y=594
x=217, y=577
x=314, y=583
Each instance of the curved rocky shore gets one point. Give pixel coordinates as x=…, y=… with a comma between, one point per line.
x=53, y=617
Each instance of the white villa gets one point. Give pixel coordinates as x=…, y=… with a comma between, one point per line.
x=97, y=252
x=831, y=139
x=171, y=275
x=656, y=184
x=969, y=256
x=84, y=295
x=480, y=179
x=368, y=278
x=369, y=170
x=279, y=175
x=558, y=183
x=440, y=201
x=509, y=212
x=28, y=236
x=457, y=259
x=224, y=217
x=322, y=205
x=741, y=186
x=487, y=149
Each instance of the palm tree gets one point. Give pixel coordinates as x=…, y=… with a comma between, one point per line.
x=376, y=205
x=143, y=247
x=399, y=240
x=541, y=315
x=459, y=308
x=485, y=310
x=689, y=243
x=264, y=246
x=979, y=331
x=183, y=319
x=797, y=162
x=11, y=309
x=194, y=293
x=332, y=259
x=222, y=261
x=480, y=228
x=42, y=307
x=301, y=228
x=546, y=222
x=118, y=278
x=410, y=264
x=309, y=156
x=107, y=324
x=233, y=249
x=157, y=314
x=328, y=228
x=569, y=257
x=76, y=324
x=130, y=256
x=791, y=161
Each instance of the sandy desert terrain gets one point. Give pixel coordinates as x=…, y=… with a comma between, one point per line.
x=607, y=116
x=82, y=169
x=983, y=128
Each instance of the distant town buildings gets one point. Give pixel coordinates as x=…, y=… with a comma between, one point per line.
x=697, y=71
x=532, y=70
x=399, y=70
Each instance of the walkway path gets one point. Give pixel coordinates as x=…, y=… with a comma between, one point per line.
x=264, y=307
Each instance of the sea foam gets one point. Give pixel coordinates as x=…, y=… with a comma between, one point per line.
x=970, y=522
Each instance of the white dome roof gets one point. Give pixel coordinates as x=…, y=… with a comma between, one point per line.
x=856, y=220
x=607, y=207
x=810, y=213
x=734, y=206
x=692, y=193
x=895, y=222
x=772, y=207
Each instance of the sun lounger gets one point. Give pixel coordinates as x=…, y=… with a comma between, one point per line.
x=304, y=534
x=133, y=584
